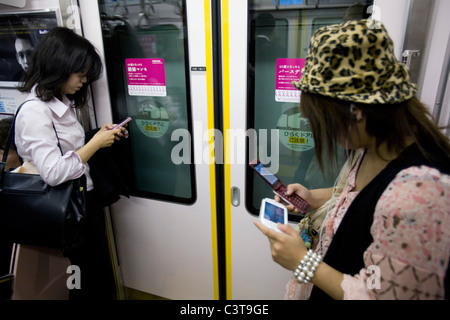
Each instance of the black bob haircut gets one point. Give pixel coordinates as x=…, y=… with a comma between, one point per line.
x=58, y=54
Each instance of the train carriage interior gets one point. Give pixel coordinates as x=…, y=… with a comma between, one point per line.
x=214, y=93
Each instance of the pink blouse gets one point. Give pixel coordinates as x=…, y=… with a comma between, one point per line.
x=409, y=255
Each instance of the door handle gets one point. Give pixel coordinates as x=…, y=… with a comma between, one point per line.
x=235, y=196
x=408, y=55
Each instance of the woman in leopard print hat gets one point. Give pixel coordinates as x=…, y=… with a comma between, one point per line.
x=388, y=235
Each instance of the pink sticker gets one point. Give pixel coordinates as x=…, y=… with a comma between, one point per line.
x=288, y=70
x=146, y=77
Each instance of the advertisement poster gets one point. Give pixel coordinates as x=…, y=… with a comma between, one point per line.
x=10, y=99
x=19, y=35
x=146, y=77
x=288, y=70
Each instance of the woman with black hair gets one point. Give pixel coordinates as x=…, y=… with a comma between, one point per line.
x=61, y=68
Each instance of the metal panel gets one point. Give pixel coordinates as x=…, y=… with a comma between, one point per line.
x=419, y=22
x=442, y=86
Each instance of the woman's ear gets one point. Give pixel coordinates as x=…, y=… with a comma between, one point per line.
x=356, y=113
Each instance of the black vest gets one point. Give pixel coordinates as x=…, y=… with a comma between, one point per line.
x=353, y=237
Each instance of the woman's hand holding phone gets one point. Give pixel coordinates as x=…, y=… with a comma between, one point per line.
x=297, y=188
x=123, y=131
x=315, y=197
x=105, y=137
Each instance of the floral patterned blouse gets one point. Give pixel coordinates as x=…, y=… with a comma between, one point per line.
x=410, y=252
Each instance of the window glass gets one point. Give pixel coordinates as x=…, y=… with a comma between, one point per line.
x=279, y=34
x=146, y=62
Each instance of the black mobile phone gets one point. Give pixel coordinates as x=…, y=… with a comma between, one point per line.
x=278, y=187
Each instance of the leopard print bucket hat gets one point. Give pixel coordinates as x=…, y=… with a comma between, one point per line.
x=355, y=61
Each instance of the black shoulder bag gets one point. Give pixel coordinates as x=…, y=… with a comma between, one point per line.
x=35, y=213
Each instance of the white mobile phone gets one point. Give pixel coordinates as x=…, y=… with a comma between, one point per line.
x=272, y=212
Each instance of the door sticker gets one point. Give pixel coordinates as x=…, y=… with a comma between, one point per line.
x=146, y=77
x=295, y=132
x=288, y=70
x=152, y=120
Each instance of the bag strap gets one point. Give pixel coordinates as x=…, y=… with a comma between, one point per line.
x=9, y=139
x=57, y=138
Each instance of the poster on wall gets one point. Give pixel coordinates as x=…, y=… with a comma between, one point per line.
x=19, y=34
x=288, y=70
x=10, y=99
x=146, y=77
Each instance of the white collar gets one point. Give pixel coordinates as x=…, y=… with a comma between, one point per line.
x=57, y=106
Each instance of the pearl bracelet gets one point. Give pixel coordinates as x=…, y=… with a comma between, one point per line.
x=307, y=267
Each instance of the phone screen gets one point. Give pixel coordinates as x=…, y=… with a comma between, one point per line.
x=124, y=122
x=266, y=174
x=273, y=213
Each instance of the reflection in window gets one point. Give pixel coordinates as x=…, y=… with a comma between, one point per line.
x=281, y=30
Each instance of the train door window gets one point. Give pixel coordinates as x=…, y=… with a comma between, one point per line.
x=146, y=60
x=279, y=33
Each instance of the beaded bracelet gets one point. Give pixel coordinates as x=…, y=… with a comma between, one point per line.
x=307, y=267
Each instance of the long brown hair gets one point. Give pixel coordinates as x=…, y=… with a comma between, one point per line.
x=392, y=124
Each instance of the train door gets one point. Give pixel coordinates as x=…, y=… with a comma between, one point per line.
x=260, y=107
x=158, y=65
x=278, y=34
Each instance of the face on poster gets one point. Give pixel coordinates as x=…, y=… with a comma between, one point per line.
x=19, y=35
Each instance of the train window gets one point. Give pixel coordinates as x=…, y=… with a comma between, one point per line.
x=147, y=64
x=279, y=33
x=321, y=22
